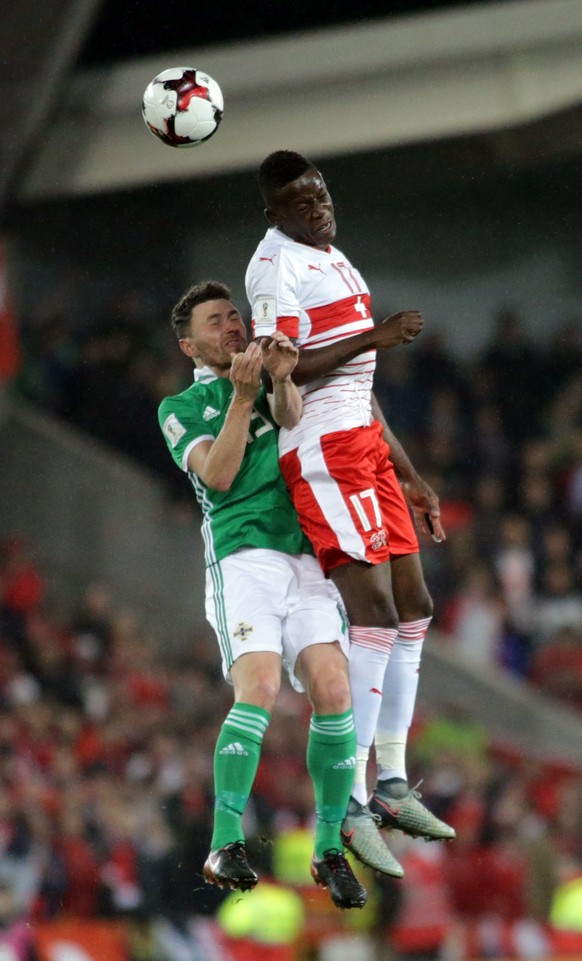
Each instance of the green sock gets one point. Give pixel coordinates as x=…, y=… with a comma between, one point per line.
x=236, y=759
x=331, y=762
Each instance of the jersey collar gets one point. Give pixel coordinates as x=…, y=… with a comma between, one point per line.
x=203, y=375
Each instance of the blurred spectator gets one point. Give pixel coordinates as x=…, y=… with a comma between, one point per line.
x=559, y=603
x=402, y=395
x=514, y=565
x=475, y=617
x=16, y=936
x=557, y=666
x=493, y=452
x=21, y=584
x=514, y=365
x=91, y=630
x=565, y=359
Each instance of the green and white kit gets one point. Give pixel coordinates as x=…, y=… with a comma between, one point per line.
x=253, y=604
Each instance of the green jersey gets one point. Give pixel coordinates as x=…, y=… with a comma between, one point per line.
x=257, y=510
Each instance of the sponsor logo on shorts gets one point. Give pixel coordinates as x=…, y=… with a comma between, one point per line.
x=243, y=631
x=378, y=540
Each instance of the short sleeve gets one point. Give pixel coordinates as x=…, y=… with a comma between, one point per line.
x=272, y=289
x=183, y=428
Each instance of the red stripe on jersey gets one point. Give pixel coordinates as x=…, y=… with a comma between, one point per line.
x=338, y=335
x=339, y=388
x=370, y=365
x=288, y=326
x=340, y=313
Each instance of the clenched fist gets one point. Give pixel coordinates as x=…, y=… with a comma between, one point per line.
x=400, y=328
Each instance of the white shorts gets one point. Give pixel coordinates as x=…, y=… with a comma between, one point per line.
x=263, y=600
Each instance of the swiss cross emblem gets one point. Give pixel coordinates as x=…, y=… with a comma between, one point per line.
x=378, y=540
x=243, y=631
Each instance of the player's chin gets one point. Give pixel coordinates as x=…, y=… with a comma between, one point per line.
x=324, y=234
x=236, y=345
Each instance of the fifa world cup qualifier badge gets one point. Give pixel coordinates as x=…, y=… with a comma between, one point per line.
x=265, y=314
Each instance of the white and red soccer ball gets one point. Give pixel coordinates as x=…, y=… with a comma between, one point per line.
x=183, y=106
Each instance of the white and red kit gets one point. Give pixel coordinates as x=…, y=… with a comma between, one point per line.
x=335, y=462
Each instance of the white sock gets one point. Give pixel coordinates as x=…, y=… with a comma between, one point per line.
x=399, y=699
x=360, y=785
x=390, y=754
x=369, y=652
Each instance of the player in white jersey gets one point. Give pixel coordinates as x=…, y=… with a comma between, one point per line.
x=344, y=484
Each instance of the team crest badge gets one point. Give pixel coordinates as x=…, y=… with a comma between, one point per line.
x=378, y=540
x=243, y=631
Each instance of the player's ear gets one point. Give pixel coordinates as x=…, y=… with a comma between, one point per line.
x=188, y=348
x=271, y=216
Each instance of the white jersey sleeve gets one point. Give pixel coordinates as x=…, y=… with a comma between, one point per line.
x=273, y=284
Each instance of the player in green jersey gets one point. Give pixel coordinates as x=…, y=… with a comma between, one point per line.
x=266, y=596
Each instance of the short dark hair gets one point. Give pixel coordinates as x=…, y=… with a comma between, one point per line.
x=198, y=294
x=279, y=169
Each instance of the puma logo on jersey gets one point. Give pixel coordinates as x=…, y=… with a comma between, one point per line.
x=270, y=259
x=210, y=413
x=315, y=267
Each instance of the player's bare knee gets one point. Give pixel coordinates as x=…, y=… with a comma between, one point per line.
x=261, y=691
x=379, y=611
x=427, y=607
x=267, y=689
x=330, y=693
x=416, y=608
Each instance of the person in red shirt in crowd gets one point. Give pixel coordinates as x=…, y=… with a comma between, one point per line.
x=22, y=586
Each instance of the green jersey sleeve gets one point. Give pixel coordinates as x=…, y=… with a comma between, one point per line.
x=183, y=426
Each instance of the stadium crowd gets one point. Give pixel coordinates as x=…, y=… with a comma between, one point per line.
x=106, y=746
x=106, y=793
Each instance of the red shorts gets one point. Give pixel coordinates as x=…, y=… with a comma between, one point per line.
x=349, y=501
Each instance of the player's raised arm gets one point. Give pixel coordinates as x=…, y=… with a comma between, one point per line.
x=217, y=462
x=280, y=358
x=400, y=328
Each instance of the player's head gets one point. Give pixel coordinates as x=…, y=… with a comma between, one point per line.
x=208, y=325
x=297, y=199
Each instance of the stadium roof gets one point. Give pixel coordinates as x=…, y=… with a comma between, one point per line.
x=126, y=28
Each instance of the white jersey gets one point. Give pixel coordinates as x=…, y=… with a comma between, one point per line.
x=317, y=298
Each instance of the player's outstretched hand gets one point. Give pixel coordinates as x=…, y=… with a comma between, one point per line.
x=279, y=354
x=425, y=506
x=400, y=328
x=245, y=372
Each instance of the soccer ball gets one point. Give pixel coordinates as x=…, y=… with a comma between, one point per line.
x=183, y=106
